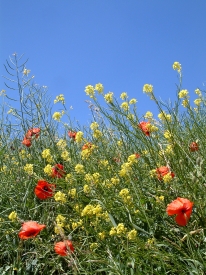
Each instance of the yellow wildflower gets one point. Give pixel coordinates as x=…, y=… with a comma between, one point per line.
x=94, y=126
x=59, y=196
x=148, y=115
x=185, y=103
x=13, y=216
x=148, y=88
x=198, y=92
x=26, y=72
x=131, y=235
x=48, y=170
x=99, y=88
x=89, y=90
x=28, y=168
x=109, y=97
x=183, y=93
x=79, y=137
x=65, y=156
x=198, y=101
x=177, y=66
x=72, y=193
x=87, y=189
x=132, y=101
x=57, y=116
x=125, y=106
x=60, y=98
x=123, y=96
x=79, y=168
x=167, y=178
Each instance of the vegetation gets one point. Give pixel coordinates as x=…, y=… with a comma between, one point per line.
x=123, y=196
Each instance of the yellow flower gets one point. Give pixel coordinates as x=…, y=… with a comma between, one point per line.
x=87, y=189
x=167, y=135
x=13, y=216
x=124, y=192
x=198, y=101
x=160, y=198
x=99, y=88
x=59, y=98
x=79, y=168
x=57, y=116
x=60, y=220
x=198, y=92
x=93, y=246
x=46, y=153
x=72, y=193
x=123, y=96
x=148, y=115
x=48, y=170
x=89, y=90
x=79, y=137
x=125, y=106
x=133, y=101
x=26, y=72
x=109, y=97
x=97, y=134
x=62, y=144
x=185, y=103
x=115, y=181
x=131, y=235
x=163, y=116
x=177, y=66
x=148, y=88
x=183, y=93
x=65, y=156
x=28, y=168
x=102, y=235
x=94, y=126
x=167, y=178
x=59, y=196
x=119, y=143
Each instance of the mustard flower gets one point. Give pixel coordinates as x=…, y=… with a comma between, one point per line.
x=79, y=137
x=60, y=98
x=28, y=168
x=148, y=115
x=177, y=66
x=183, y=93
x=13, y=216
x=109, y=97
x=132, y=235
x=59, y=196
x=99, y=88
x=198, y=92
x=65, y=156
x=123, y=96
x=89, y=90
x=62, y=143
x=167, y=178
x=46, y=153
x=102, y=235
x=148, y=88
x=48, y=170
x=198, y=101
x=79, y=168
x=94, y=126
x=125, y=106
x=132, y=101
x=26, y=72
x=87, y=189
x=72, y=193
x=57, y=116
x=163, y=116
x=185, y=103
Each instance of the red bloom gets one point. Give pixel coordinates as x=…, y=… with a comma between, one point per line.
x=144, y=127
x=182, y=208
x=58, y=171
x=44, y=190
x=194, y=147
x=163, y=171
x=88, y=145
x=32, y=132
x=137, y=155
x=26, y=142
x=72, y=134
x=30, y=229
x=62, y=248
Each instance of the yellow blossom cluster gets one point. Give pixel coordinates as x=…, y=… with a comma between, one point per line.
x=125, y=106
x=119, y=230
x=13, y=216
x=79, y=169
x=109, y=97
x=60, y=98
x=72, y=193
x=183, y=93
x=60, y=196
x=165, y=117
x=99, y=88
x=46, y=154
x=148, y=88
x=124, y=194
x=177, y=66
x=57, y=116
x=28, y=168
x=123, y=96
x=48, y=169
x=90, y=210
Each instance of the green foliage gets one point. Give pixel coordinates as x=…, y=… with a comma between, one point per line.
x=109, y=198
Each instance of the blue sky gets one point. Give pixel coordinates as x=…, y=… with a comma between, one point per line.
x=123, y=44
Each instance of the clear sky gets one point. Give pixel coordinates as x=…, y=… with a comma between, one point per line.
x=123, y=44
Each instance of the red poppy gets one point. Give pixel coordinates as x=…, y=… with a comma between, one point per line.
x=144, y=127
x=26, y=142
x=194, y=147
x=58, y=171
x=163, y=171
x=44, y=190
x=62, y=248
x=88, y=145
x=137, y=155
x=182, y=208
x=32, y=132
x=72, y=134
x=30, y=229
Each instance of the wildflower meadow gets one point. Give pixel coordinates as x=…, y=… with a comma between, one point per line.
x=124, y=195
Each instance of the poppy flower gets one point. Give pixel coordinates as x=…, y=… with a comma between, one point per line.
x=137, y=155
x=26, y=142
x=144, y=127
x=30, y=229
x=194, y=147
x=72, y=134
x=32, y=132
x=163, y=171
x=62, y=248
x=88, y=145
x=182, y=208
x=44, y=190
x=58, y=171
